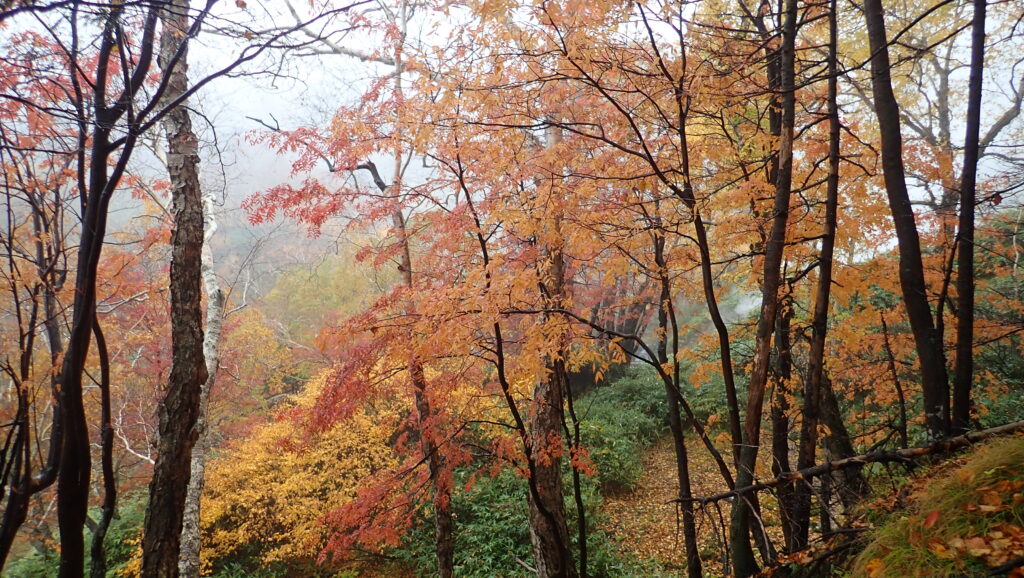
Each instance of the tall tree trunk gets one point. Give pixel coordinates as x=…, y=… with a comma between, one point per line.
x=675, y=423
x=781, y=423
x=551, y=548
x=549, y=532
x=742, y=554
x=965, y=265
x=191, y=543
x=444, y=541
x=179, y=408
x=98, y=552
x=915, y=296
x=74, y=464
x=819, y=322
x=443, y=520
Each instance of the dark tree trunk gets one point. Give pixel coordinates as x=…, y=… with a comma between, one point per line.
x=965, y=266
x=848, y=482
x=444, y=537
x=693, y=563
x=443, y=521
x=549, y=532
x=742, y=554
x=819, y=322
x=98, y=553
x=551, y=547
x=915, y=297
x=74, y=465
x=689, y=199
x=781, y=423
x=179, y=408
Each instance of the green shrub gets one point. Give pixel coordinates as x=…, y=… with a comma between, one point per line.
x=618, y=420
x=122, y=542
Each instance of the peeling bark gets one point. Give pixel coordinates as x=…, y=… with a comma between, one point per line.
x=179, y=408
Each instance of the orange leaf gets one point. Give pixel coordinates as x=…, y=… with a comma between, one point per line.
x=931, y=519
x=876, y=568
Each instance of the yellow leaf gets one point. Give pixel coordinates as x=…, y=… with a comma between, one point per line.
x=941, y=551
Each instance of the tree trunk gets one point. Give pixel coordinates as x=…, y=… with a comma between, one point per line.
x=965, y=266
x=693, y=563
x=179, y=408
x=74, y=464
x=848, y=482
x=819, y=322
x=549, y=532
x=191, y=543
x=742, y=554
x=915, y=297
x=98, y=552
x=780, y=423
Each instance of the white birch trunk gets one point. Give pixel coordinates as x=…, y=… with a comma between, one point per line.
x=188, y=565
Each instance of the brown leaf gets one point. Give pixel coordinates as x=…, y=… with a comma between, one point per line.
x=977, y=546
x=965, y=475
x=992, y=498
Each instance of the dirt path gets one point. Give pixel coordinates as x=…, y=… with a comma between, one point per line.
x=646, y=519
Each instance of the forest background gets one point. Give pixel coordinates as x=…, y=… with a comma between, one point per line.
x=320, y=288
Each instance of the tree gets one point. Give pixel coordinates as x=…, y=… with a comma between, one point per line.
x=179, y=409
x=105, y=95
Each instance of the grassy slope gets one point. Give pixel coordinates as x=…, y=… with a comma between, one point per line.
x=966, y=520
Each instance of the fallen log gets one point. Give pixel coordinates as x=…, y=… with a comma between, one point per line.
x=945, y=445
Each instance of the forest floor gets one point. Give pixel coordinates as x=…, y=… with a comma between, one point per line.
x=960, y=516
x=647, y=521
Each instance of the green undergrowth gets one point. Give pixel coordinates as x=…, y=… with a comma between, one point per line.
x=619, y=420
x=967, y=520
x=123, y=538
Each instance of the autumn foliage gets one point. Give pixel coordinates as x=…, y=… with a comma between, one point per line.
x=799, y=217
